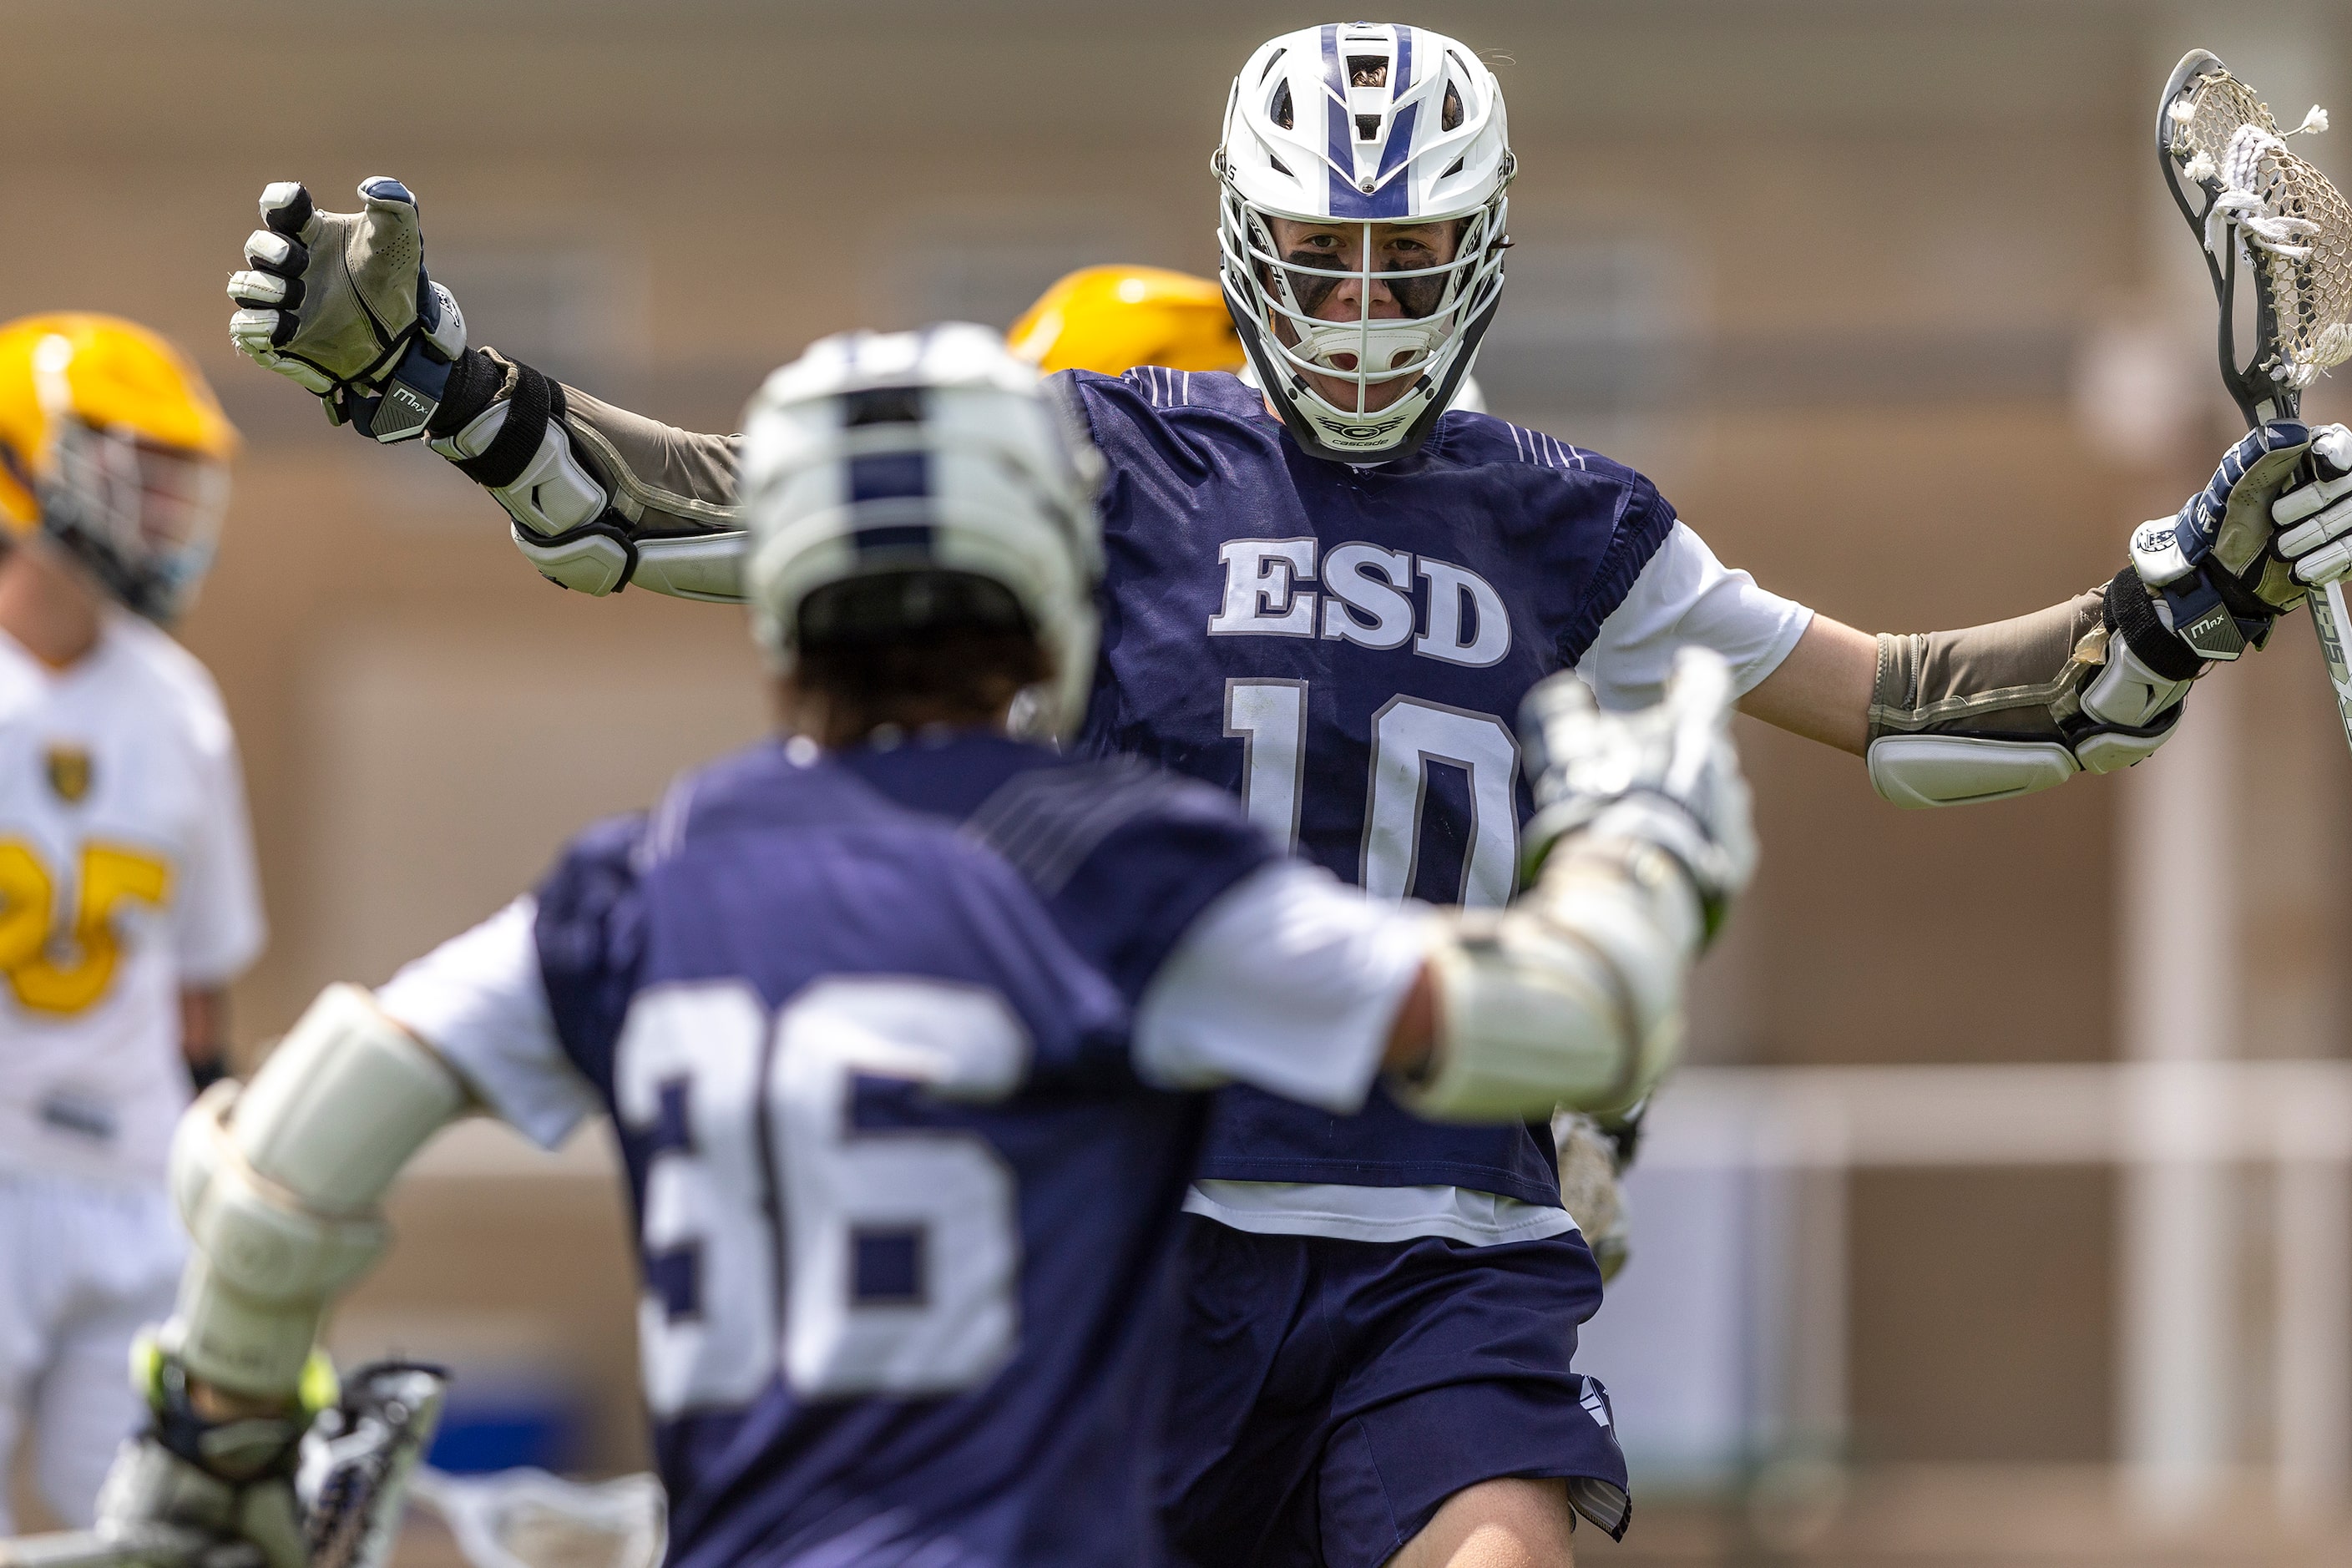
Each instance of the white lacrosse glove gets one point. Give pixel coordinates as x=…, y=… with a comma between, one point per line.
x=339, y=303
x=216, y=1493
x=1668, y=775
x=1592, y=1158
x=2315, y=515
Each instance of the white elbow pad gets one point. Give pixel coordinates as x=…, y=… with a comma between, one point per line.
x=1571, y=996
x=589, y=563
x=279, y=1183
x=552, y=494
x=1918, y=771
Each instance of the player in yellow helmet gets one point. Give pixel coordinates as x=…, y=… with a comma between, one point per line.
x=128, y=899
x=1112, y=318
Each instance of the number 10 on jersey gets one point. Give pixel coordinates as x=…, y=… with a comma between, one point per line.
x=1269, y=718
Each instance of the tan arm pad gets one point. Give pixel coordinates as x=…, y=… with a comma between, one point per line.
x=2018, y=679
x=665, y=480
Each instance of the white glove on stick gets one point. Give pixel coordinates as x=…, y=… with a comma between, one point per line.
x=2315, y=516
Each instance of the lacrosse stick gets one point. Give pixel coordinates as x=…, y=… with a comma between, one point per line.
x=2260, y=211
x=355, y=1466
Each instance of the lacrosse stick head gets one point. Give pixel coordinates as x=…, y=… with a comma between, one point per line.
x=2262, y=211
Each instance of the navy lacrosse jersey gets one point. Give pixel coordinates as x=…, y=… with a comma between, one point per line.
x=862, y=1022
x=1347, y=647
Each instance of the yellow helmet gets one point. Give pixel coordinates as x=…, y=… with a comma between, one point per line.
x=1112, y=318
x=112, y=446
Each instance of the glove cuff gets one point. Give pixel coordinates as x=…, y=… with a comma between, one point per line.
x=476, y=379
x=241, y=1450
x=2131, y=613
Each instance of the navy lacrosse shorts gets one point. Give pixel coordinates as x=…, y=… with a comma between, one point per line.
x=1331, y=1395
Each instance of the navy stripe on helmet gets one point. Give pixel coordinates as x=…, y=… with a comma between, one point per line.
x=1394, y=154
x=1388, y=198
x=898, y=536
x=1339, y=132
x=889, y=475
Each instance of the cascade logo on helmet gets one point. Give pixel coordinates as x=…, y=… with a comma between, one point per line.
x=112, y=448
x=1362, y=228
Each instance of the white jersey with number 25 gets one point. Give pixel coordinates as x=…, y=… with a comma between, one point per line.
x=126, y=873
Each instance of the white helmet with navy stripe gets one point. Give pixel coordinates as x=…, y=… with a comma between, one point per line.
x=1369, y=124
x=926, y=467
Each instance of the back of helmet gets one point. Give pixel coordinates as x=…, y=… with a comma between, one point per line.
x=918, y=501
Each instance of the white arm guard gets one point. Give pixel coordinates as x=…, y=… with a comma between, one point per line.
x=278, y=1186
x=1994, y=712
x=1570, y=997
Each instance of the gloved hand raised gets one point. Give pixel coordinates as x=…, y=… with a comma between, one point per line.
x=2212, y=565
x=1667, y=773
x=340, y=304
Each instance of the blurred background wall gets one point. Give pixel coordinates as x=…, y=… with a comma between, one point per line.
x=1882, y=294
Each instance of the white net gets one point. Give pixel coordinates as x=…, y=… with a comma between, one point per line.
x=530, y=1519
x=2296, y=227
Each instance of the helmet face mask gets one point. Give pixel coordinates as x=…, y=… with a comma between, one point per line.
x=114, y=453
x=1363, y=134
x=143, y=519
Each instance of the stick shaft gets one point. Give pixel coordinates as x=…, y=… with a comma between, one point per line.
x=151, y=1548
x=2328, y=618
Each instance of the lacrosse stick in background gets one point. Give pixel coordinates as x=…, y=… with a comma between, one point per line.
x=356, y=1462
x=2260, y=211
x=529, y=1519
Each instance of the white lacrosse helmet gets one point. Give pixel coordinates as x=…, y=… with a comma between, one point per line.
x=904, y=456
x=1372, y=124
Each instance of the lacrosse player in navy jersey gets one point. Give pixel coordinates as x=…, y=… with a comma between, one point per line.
x=1327, y=586
x=894, y=1015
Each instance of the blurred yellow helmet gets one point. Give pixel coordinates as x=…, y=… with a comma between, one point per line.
x=112, y=446
x=1112, y=318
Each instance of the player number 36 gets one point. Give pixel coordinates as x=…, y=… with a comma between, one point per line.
x=901, y=1248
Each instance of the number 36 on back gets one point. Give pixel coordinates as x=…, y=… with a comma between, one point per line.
x=902, y=1248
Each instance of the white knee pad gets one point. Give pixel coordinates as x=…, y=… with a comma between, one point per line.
x=278, y=1185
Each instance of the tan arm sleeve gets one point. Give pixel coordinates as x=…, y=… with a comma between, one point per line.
x=664, y=481
x=2018, y=679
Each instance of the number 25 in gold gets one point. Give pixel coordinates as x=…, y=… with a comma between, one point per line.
x=71, y=969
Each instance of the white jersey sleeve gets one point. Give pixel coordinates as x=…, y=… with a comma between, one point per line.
x=218, y=927
x=478, y=1001
x=1290, y=982
x=1685, y=596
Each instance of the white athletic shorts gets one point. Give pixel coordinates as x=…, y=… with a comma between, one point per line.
x=82, y=1268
